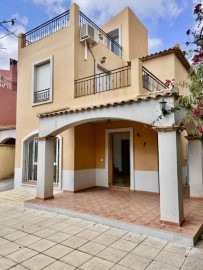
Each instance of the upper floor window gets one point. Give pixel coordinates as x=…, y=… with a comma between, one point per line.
x=42, y=81
x=115, y=39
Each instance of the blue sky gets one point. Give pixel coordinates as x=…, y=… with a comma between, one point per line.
x=166, y=20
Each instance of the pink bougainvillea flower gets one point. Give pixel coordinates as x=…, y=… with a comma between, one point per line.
x=198, y=8
x=197, y=58
x=200, y=129
x=188, y=32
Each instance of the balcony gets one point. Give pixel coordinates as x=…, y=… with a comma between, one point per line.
x=113, y=79
x=151, y=82
x=47, y=28
x=42, y=95
x=118, y=78
x=63, y=20
x=102, y=37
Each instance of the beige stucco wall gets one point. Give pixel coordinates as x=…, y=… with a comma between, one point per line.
x=181, y=76
x=134, y=36
x=69, y=64
x=162, y=67
x=68, y=149
x=90, y=145
x=169, y=67
x=85, y=146
x=7, y=160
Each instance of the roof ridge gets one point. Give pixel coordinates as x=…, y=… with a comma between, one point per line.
x=176, y=50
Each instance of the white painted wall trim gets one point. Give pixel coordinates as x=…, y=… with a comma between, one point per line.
x=107, y=144
x=102, y=178
x=60, y=160
x=143, y=112
x=68, y=180
x=84, y=179
x=6, y=134
x=147, y=181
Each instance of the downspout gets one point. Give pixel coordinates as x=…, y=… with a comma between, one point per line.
x=93, y=58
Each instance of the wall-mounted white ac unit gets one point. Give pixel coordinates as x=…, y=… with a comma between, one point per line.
x=88, y=32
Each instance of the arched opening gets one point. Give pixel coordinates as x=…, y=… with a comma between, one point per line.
x=9, y=141
x=110, y=153
x=7, y=157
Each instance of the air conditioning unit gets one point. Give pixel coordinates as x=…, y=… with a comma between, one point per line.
x=89, y=33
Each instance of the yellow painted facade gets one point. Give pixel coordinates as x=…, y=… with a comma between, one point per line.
x=7, y=160
x=84, y=145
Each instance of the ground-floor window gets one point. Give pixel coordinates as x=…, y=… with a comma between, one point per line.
x=31, y=160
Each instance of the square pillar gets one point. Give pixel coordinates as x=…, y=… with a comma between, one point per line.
x=45, y=169
x=195, y=164
x=171, y=189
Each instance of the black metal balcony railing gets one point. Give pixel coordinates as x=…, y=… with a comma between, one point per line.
x=151, y=82
x=8, y=84
x=104, y=37
x=42, y=95
x=102, y=82
x=47, y=28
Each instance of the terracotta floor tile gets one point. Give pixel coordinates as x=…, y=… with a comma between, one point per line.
x=136, y=208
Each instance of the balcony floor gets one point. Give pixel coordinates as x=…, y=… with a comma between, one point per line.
x=124, y=209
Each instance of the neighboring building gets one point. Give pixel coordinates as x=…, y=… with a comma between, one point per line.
x=8, y=96
x=87, y=105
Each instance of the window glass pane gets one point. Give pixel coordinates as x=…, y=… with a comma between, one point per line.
x=42, y=77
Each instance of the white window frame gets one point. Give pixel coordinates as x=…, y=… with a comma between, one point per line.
x=24, y=149
x=119, y=34
x=34, y=67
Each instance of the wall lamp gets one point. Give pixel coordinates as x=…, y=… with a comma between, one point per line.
x=163, y=107
x=103, y=60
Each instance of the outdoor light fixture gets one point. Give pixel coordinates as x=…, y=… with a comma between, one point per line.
x=108, y=121
x=163, y=107
x=103, y=60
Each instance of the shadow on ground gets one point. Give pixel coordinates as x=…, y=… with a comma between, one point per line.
x=6, y=184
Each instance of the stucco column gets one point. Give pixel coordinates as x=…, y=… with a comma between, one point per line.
x=171, y=189
x=45, y=169
x=195, y=163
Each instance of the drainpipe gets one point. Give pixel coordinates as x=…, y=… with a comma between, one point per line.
x=93, y=58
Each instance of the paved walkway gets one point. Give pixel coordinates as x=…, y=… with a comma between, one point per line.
x=35, y=239
x=133, y=208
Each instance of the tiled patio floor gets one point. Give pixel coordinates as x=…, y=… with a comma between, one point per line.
x=35, y=239
x=134, y=208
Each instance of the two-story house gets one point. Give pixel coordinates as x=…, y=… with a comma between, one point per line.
x=8, y=96
x=88, y=111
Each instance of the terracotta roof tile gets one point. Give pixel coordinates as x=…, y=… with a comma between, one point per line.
x=139, y=98
x=176, y=50
x=7, y=127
